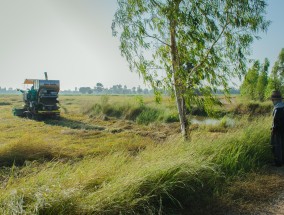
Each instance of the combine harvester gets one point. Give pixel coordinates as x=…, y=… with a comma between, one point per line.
x=40, y=101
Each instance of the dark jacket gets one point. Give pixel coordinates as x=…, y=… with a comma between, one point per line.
x=278, y=118
x=277, y=135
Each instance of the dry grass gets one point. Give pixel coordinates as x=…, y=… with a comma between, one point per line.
x=254, y=193
x=72, y=166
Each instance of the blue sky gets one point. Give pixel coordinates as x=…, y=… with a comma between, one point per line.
x=72, y=41
x=273, y=41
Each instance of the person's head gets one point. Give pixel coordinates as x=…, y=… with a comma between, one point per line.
x=276, y=97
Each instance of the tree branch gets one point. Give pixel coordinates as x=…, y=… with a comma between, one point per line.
x=154, y=37
x=156, y=4
x=212, y=46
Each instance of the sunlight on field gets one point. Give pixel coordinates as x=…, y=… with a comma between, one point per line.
x=90, y=162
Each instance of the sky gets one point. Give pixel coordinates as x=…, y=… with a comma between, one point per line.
x=72, y=41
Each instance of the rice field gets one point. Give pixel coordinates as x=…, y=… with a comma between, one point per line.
x=124, y=155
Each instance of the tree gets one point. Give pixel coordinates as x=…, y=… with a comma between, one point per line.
x=199, y=45
x=276, y=79
x=125, y=90
x=90, y=91
x=146, y=91
x=85, y=90
x=139, y=90
x=119, y=89
x=262, y=80
x=248, y=88
x=99, y=88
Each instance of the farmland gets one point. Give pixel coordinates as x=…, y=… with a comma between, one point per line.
x=124, y=155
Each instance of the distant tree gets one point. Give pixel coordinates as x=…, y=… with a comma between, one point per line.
x=276, y=78
x=134, y=90
x=146, y=91
x=248, y=87
x=99, y=88
x=119, y=89
x=114, y=89
x=84, y=90
x=262, y=80
x=90, y=91
x=139, y=90
x=125, y=90
x=212, y=35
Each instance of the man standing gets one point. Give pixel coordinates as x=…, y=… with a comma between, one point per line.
x=277, y=134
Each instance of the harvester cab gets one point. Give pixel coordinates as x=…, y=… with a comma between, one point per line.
x=40, y=100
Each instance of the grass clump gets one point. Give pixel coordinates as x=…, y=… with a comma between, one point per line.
x=148, y=115
x=171, y=116
x=138, y=111
x=222, y=126
x=247, y=151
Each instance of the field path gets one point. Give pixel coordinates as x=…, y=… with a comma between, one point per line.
x=277, y=205
x=263, y=195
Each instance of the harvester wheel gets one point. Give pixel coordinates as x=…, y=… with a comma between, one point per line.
x=29, y=115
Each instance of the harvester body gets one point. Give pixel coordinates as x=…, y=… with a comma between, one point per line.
x=41, y=100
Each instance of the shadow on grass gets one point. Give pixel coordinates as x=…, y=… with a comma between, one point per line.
x=73, y=124
x=5, y=103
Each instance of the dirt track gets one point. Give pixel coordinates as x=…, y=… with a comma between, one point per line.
x=274, y=206
x=277, y=205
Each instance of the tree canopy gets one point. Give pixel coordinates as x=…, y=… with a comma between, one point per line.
x=190, y=47
x=249, y=86
x=276, y=78
x=262, y=80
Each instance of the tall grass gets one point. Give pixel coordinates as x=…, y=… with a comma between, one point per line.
x=136, y=111
x=65, y=168
x=159, y=179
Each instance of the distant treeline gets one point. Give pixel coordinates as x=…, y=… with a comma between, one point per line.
x=123, y=90
x=7, y=91
x=118, y=89
x=115, y=89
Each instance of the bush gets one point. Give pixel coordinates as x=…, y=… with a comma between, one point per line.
x=171, y=117
x=253, y=108
x=147, y=116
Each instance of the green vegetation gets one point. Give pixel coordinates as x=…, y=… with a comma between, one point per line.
x=265, y=84
x=276, y=79
x=72, y=167
x=134, y=110
x=197, y=52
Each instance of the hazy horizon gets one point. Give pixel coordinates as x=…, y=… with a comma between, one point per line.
x=72, y=41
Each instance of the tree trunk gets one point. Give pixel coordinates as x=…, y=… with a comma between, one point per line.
x=180, y=102
x=177, y=83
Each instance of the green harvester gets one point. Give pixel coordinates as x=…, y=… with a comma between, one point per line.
x=41, y=100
